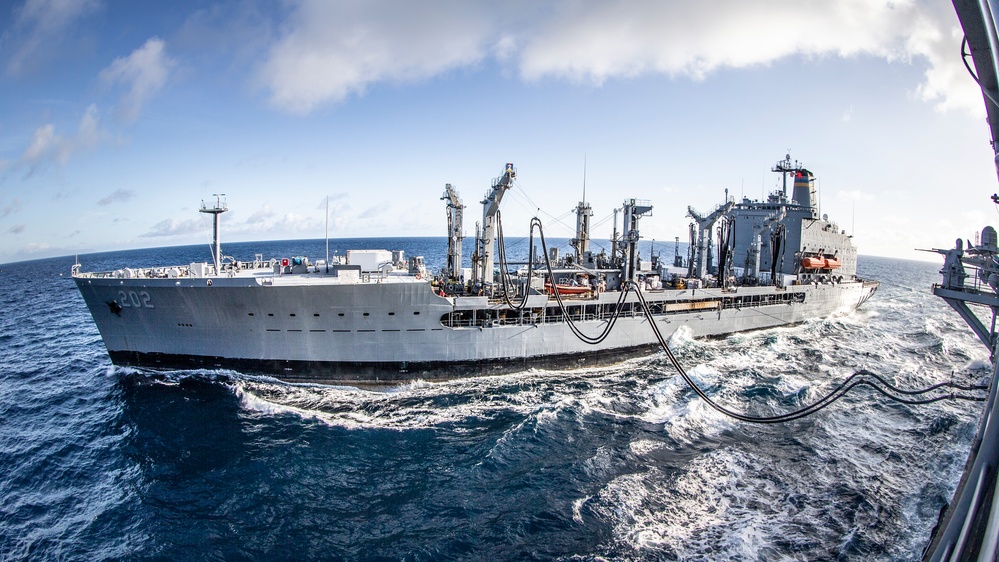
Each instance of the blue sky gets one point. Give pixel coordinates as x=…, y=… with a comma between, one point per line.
x=121, y=117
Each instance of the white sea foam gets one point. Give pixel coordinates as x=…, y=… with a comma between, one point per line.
x=684, y=416
x=645, y=446
x=725, y=505
x=682, y=337
x=410, y=406
x=577, y=508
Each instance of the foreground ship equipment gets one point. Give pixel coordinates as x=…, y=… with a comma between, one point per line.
x=377, y=317
x=968, y=528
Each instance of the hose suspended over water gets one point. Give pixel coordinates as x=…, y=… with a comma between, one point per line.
x=859, y=378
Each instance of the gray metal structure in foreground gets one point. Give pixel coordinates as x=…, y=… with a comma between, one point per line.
x=969, y=528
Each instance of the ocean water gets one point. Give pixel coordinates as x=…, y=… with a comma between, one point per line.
x=619, y=463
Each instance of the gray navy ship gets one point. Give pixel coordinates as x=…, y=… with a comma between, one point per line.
x=375, y=316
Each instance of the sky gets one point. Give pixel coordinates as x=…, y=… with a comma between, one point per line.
x=119, y=118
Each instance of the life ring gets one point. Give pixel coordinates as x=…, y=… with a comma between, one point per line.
x=209, y=282
x=419, y=276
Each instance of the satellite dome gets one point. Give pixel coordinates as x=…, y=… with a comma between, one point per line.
x=990, y=241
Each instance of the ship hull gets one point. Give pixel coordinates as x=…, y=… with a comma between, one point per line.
x=390, y=332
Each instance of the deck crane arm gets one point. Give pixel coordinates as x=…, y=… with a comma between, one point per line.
x=490, y=207
x=455, y=231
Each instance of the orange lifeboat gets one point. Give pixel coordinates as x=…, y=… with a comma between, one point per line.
x=820, y=263
x=566, y=289
x=813, y=263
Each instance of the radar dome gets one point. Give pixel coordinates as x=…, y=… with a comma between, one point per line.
x=990, y=241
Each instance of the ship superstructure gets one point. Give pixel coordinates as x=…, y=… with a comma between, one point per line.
x=376, y=316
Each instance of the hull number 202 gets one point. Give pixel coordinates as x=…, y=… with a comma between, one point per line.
x=133, y=299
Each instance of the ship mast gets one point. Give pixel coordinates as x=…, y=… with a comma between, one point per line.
x=219, y=208
x=581, y=242
x=805, y=193
x=784, y=167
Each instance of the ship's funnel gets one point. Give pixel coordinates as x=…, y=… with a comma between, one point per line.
x=804, y=191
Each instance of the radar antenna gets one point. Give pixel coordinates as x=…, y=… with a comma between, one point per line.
x=220, y=207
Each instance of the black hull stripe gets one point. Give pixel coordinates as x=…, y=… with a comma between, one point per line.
x=377, y=372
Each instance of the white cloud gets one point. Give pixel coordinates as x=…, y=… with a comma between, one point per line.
x=47, y=146
x=43, y=143
x=39, y=29
x=596, y=41
x=946, y=80
x=142, y=74
x=89, y=132
x=328, y=51
x=17, y=229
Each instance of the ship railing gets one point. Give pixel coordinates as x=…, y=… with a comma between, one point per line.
x=598, y=312
x=981, y=278
x=138, y=273
x=601, y=312
x=975, y=282
x=173, y=271
x=590, y=311
x=531, y=317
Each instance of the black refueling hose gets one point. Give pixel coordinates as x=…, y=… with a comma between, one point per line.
x=859, y=378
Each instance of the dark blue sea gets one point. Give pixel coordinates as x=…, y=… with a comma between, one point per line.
x=621, y=463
